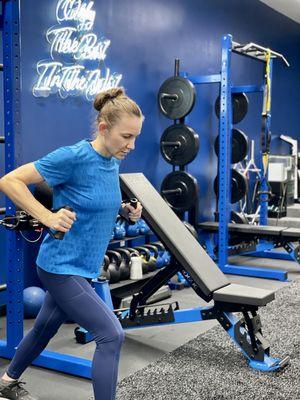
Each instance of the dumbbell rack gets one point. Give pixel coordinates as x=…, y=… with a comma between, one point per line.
x=225, y=137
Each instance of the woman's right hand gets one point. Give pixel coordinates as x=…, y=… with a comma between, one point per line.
x=61, y=221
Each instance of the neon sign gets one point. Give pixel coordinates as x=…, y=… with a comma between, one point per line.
x=77, y=55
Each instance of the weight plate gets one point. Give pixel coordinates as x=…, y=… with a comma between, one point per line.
x=180, y=190
x=239, y=147
x=182, y=103
x=179, y=144
x=238, y=186
x=239, y=107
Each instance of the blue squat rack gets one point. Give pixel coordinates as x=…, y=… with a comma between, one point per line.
x=14, y=243
x=14, y=262
x=224, y=173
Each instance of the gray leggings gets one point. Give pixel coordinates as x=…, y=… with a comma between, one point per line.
x=72, y=297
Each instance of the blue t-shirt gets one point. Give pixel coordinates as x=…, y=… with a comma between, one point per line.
x=89, y=183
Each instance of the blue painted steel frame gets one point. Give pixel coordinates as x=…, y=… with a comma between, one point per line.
x=12, y=128
x=225, y=165
x=195, y=315
x=225, y=128
x=14, y=242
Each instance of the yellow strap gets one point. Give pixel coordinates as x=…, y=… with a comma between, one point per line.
x=265, y=160
x=268, y=81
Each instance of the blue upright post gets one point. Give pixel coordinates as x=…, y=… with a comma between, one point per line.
x=224, y=152
x=12, y=116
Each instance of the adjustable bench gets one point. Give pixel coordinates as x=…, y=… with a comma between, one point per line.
x=280, y=236
x=204, y=276
x=260, y=231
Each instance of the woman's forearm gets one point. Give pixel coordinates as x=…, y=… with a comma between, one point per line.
x=19, y=193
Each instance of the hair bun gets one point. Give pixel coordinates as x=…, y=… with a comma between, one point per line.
x=103, y=97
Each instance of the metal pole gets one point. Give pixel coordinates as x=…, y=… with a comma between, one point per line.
x=225, y=150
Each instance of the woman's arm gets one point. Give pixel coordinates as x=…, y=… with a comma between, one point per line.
x=14, y=185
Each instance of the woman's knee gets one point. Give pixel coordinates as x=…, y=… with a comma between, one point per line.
x=115, y=334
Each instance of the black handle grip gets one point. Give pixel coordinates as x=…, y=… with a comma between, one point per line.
x=133, y=203
x=60, y=235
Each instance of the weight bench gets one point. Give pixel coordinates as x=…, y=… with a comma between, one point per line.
x=206, y=279
x=281, y=236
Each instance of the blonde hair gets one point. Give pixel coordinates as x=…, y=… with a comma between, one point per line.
x=112, y=104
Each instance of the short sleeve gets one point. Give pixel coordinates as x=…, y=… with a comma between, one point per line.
x=56, y=167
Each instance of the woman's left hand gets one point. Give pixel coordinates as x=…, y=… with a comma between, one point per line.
x=134, y=214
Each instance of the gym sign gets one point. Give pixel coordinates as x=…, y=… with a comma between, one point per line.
x=77, y=64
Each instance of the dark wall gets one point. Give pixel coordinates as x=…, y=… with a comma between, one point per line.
x=146, y=36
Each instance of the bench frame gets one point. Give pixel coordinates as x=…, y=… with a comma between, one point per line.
x=246, y=332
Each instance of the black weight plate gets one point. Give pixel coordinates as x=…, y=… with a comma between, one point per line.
x=187, y=148
x=189, y=189
x=238, y=186
x=183, y=105
x=239, y=107
x=239, y=148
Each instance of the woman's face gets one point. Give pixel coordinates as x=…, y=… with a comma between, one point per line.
x=119, y=140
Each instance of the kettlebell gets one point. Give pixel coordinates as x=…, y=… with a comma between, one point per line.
x=136, y=266
x=164, y=253
x=159, y=262
x=115, y=260
x=150, y=262
x=143, y=227
x=132, y=229
x=105, y=275
x=125, y=263
x=119, y=230
x=145, y=256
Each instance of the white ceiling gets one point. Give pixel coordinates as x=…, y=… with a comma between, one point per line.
x=290, y=8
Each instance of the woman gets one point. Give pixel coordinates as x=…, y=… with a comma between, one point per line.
x=85, y=177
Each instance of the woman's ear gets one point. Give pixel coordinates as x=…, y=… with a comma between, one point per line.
x=102, y=128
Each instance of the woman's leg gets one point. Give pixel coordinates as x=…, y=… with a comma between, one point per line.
x=45, y=327
x=75, y=296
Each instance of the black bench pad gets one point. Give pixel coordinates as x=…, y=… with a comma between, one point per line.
x=291, y=233
x=241, y=294
x=255, y=230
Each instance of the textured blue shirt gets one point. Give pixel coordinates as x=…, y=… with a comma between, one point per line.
x=89, y=183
